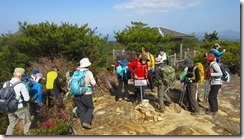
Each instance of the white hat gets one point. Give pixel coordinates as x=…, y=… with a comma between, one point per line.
x=84, y=62
x=39, y=76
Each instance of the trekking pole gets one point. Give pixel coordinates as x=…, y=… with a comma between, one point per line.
x=181, y=99
x=65, y=117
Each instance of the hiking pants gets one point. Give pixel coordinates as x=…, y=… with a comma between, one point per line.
x=162, y=95
x=13, y=118
x=212, y=97
x=191, y=97
x=120, y=84
x=35, y=109
x=150, y=79
x=85, y=108
x=54, y=97
x=137, y=94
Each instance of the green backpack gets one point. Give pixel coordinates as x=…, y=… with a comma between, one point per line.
x=168, y=74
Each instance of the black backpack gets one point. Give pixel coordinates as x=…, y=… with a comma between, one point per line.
x=8, y=101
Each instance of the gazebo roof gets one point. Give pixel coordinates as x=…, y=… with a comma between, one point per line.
x=164, y=31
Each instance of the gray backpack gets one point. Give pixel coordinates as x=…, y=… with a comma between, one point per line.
x=8, y=101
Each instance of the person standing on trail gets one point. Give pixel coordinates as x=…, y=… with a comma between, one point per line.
x=139, y=71
x=22, y=95
x=151, y=67
x=36, y=98
x=217, y=54
x=121, y=68
x=85, y=106
x=214, y=74
x=191, y=82
x=54, y=87
x=162, y=86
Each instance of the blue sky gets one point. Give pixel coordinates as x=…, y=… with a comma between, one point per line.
x=186, y=16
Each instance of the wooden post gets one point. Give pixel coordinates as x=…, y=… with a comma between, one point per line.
x=113, y=54
x=195, y=53
x=174, y=59
x=185, y=54
x=181, y=51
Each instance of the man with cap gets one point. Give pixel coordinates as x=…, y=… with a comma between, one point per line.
x=162, y=86
x=54, y=86
x=214, y=74
x=85, y=106
x=191, y=81
x=22, y=95
x=139, y=71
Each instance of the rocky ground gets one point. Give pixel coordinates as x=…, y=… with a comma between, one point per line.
x=113, y=117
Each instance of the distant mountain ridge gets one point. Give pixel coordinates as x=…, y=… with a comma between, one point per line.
x=228, y=35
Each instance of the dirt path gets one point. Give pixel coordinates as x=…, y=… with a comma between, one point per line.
x=121, y=118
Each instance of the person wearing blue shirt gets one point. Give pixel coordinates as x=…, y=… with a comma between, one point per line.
x=217, y=54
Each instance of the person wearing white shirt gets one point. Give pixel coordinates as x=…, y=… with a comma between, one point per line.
x=22, y=95
x=162, y=55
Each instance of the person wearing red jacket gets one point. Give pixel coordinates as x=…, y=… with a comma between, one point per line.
x=139, y=71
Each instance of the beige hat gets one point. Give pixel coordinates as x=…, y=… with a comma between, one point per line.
x=84, y=62
x=19, y=71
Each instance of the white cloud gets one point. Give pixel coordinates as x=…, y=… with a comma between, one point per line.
x=155, y=6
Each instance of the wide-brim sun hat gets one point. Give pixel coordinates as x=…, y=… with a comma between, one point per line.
x=84, y=62
x=144, y=57
x=188, y=62
x=210, y=57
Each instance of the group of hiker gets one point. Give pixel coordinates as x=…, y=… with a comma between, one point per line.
x=28, y=90
x=145, y=66
x=28, y=97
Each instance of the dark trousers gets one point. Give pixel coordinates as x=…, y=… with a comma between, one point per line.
x=150, y=79
x=85, y=108
x=212, y=98
x=191, y=97
x=54, y=97
x=137, y=93
x=120, y=84
x=35, y=110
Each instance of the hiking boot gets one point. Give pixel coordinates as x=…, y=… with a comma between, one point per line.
x=195, y=113
x=210, y=113
x=160, y=110
x=86, y=126
x=120, y=99
x=167, y=103
x=126, y=99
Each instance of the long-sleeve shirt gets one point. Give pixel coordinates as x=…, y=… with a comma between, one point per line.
x=138, y=70
x=217, y=54
x=36, y=92
x=216, y=73
x=20, y=90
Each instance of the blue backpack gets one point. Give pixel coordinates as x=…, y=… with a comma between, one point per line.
x=122, y=70
x=77, y=85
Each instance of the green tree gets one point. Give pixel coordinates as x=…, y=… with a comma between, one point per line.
x=140, y=35
x=210, y=37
